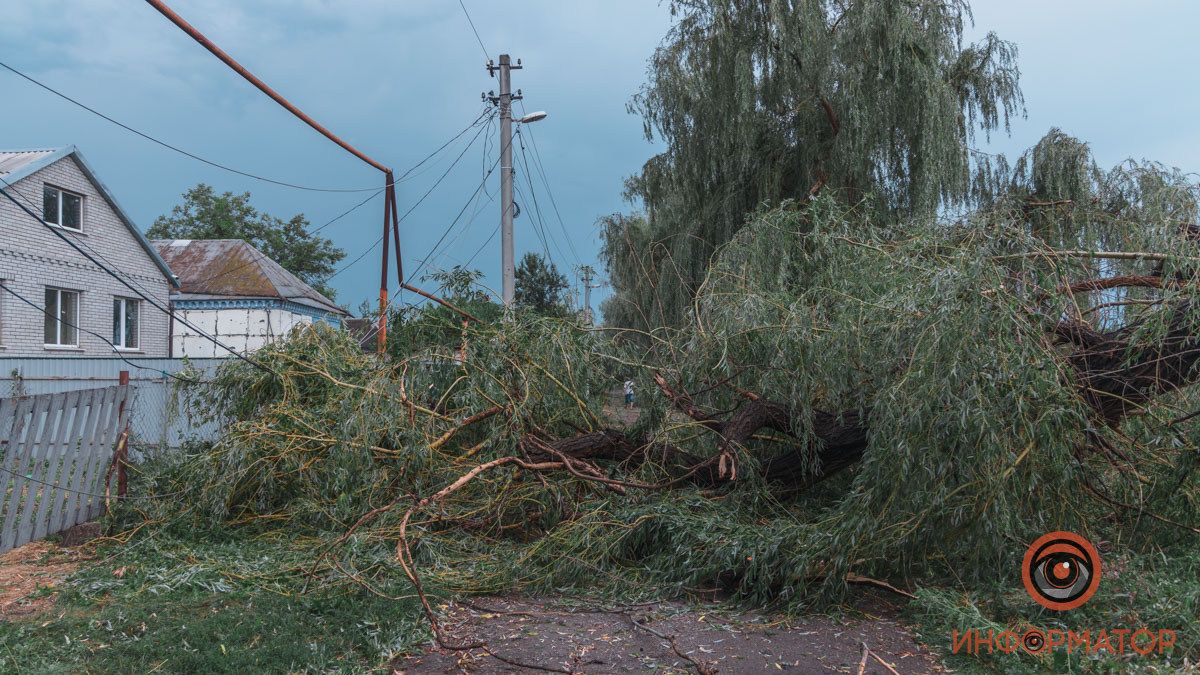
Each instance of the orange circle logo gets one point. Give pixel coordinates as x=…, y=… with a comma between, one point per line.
x=1061, y=570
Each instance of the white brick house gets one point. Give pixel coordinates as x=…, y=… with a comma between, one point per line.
x=75, y=299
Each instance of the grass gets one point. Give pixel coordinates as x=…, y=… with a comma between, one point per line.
x=200, y=605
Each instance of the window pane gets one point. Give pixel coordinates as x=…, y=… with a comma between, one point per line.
x=116, y=338
x=131, y=324
x=72, y=210
x=69, y=314
x=50, y=204
x=51, y=330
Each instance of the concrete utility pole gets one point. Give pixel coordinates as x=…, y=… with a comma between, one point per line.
x=587, y=273
x=504, y=101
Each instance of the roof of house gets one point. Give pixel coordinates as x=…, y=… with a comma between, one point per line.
x=212, y=269
x=16, y=165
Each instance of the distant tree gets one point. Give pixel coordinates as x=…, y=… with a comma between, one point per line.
x=204, y=214
x=540, y=286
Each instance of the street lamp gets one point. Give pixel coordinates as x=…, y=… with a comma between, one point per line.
x=535, y=116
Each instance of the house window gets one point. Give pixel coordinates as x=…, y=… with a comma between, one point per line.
x=62, y=318
x=62, y=208
x=125, y=323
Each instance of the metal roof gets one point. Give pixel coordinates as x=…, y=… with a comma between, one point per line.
x=16, y=165
x=15, y=160
x=232, y=268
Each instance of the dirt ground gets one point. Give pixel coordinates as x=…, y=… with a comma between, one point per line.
x=528, y=635
x=29, y=573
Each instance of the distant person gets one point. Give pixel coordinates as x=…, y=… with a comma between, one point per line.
x=629, y=393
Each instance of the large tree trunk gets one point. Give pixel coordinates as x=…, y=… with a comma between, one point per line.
x=1112, y=384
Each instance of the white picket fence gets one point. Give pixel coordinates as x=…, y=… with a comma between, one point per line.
x=56, y=452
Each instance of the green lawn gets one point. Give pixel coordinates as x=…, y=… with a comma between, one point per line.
x=231, y=607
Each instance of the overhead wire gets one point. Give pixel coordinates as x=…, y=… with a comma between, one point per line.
x=470, y=200
x=476, y=32
x=539, y=221
x=377, y=192
x=538, y=230
x=450, y=227
x=174, y=148
x=116, y=350
x=537, y=155
x=55, y=230
x=413, y=207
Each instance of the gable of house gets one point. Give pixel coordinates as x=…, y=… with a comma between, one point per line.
x=77, y=174
x=35, y=260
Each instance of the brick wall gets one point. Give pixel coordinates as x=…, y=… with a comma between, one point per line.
x=31, y=258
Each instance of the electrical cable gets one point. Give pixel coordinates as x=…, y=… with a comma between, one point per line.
x=413, y=207
x=483, y=246
x=446, y=232
x=477, y=38
x=537, y=155
x=114, y=275
x=174, y=148
x=91, y=494
x=116, y=350
x=540, y=223
x=537, y=229
x=363, y=202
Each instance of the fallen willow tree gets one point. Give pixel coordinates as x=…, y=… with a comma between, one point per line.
x=852, y=400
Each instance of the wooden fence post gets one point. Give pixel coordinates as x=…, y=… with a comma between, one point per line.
x=123, y=444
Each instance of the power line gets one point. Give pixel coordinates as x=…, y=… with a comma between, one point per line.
x=538, y=230
x=477, y=38
x=114, y=275
x=483, y=246
x=537, y=156
x=347, y=212
x=106, y=341
x=413, y=207
x=175, y=148
x=540, y=222
x=450, y=227
x=89, y=494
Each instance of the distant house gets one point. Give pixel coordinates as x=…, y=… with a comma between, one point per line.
x=235, y=293
x=58, y=302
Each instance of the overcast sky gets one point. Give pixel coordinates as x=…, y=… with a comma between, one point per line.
x=398, y=79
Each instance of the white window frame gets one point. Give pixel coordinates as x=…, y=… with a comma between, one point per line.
x=59, y=323
x=59, y=216
x=123, y=303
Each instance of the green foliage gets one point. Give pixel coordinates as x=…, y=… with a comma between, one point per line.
x=204, y=214
x=540, y=287
x=759, y=102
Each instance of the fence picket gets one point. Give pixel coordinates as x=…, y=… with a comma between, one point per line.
x=66, y=476
x=55, y=455
x=94, y=458
x=82, y=457
x=22, y=433
x=39, y=448
x=55, y=452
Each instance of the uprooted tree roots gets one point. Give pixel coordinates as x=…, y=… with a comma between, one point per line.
x=850, y=402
